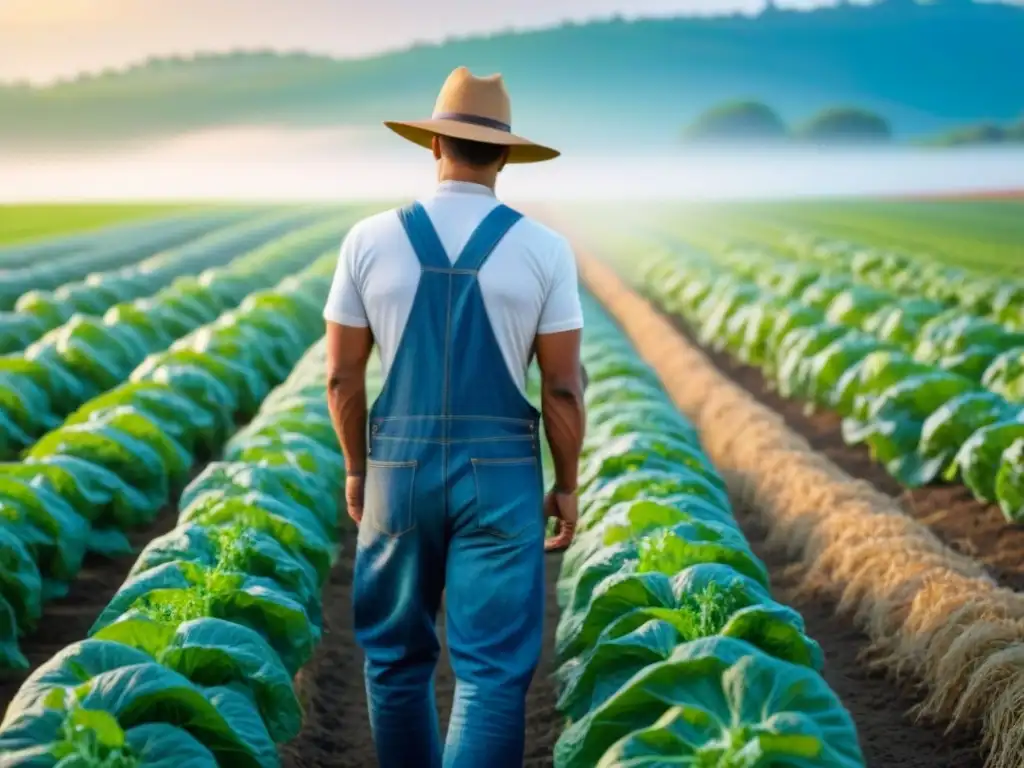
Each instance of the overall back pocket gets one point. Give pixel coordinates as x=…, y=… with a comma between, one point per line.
x=509, y=501
x=389, y=494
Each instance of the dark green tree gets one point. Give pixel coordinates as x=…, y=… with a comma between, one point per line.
x=737, y=121
x=845, y=125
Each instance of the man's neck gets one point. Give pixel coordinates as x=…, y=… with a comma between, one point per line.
x=468, y=176
x=464, y=188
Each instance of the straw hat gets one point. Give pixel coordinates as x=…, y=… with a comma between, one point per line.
x=474, y=108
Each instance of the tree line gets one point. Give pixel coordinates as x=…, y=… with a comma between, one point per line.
x=756, y=122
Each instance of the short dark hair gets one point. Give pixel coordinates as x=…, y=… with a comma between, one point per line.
x=472, y=153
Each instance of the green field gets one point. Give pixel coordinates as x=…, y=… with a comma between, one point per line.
x=19, y=223
x=162, y=398
x=973, y=234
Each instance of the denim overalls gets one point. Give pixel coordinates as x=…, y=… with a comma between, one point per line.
x=453, y=502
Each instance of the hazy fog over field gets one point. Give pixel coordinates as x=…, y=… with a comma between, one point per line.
x=268, y=163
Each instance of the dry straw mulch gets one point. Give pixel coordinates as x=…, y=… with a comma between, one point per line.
x=931, y=614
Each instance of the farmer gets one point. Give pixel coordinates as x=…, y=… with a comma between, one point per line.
x=443, y=476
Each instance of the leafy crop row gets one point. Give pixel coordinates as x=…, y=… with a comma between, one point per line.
x=931, y=614
x=992, y=296
x=932, y=393
x=114, y=252
x=88, y=355
x=124, y=242
x=116, y=461
x=191, y=664
x=671, y=648
x=38, y=310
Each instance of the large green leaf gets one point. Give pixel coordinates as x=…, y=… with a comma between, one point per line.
x=131, y=460
x=148, y=430
x=649, y=635
x=691, y=543
x=181, y=591
x=13, y=439
x=11, y=656
x=48, y=525
x=1005, y=375
x=224, y=721
x=648, y=484
x=191, y=424
x=951, y=425
x=721, y=702
x=32, y=390
x=141, y=318
x=699, y=600
x=665, y=551
x=70, y=667
x=21, y=585
x=980, y=458
x=246, y=383
x=616, y=419
x=797, y=350
x=287, y=451
x=202, y=388
x=875, y=373
x=214, y=652
x=283, y=420
x=237, y=548
x=635, y=519
x=643, y=450
x=892, y=422
x=296, y=528
x=95, y=492
x=793, y=315
x=622, y=390
x=289, y=484
x=1010, y=482
x=900, y=323
x=855, y=305
x=103, y=355
x=826, y=368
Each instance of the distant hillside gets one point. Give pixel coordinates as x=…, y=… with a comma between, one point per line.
x=926, y=68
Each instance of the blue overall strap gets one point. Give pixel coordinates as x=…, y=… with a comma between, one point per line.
x=486, y=237
x=425, y=242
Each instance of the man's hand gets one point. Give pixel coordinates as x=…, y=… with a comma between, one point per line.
x=354, y=490
x=564, y=508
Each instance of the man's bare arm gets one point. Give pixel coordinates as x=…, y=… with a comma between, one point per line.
x=558, y=357
x=348, y=351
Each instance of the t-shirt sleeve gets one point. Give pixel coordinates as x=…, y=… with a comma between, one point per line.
x=344, y=302
x=562, y=308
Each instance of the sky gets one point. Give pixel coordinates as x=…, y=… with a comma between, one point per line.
x=44, y=40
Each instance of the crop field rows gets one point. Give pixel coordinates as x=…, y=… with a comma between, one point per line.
x=174, y=574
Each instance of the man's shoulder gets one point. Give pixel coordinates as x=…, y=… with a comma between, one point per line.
x=541, y=238
x=382, y=222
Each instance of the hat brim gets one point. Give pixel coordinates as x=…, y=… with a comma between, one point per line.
x=520, y=150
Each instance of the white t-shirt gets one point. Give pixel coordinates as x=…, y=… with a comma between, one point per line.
x=529, y=283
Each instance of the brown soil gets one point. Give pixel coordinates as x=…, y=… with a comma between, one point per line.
x=67, y=620
x=888, y=736
x=336, y=732
x=964, y=524
x=337, y=735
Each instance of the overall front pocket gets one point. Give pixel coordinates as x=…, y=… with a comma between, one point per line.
x=388, y=499
x=509, y=502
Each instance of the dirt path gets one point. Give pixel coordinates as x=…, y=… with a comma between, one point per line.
x=336, y=733
x=889, y=737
